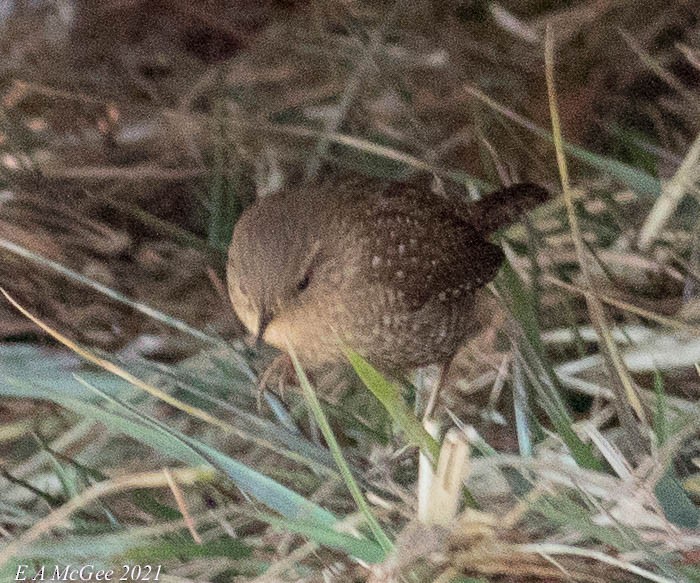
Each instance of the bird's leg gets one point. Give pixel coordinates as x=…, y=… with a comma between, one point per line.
x=281, y=365
x=435, y=392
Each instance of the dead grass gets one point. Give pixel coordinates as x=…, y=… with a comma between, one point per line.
x=126, y=154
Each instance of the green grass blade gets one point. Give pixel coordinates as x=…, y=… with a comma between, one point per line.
x=389, y=395
x=518, y=303
x=635, y=178
x=675, y=502
x=138, y=544
x=660, y=419
x=193, y=452
x=113, y=294
x=345, y=472
x=271, y=493
x=361, y=548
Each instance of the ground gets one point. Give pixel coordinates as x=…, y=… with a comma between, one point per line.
x=133, y=134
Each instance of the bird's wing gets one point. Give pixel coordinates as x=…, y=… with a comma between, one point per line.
x=418, y=247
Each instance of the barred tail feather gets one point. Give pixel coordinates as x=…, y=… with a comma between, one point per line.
x=506, y=206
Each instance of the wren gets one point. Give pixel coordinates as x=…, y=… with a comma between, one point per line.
x=390, y=269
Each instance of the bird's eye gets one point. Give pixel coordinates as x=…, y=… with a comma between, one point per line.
x=304, y=282
x=311, y=264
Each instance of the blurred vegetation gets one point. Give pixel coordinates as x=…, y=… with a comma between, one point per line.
x=132, y=136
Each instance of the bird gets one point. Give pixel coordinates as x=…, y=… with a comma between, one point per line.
x=390, y=269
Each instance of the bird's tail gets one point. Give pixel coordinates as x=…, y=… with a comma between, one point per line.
x=505, y=206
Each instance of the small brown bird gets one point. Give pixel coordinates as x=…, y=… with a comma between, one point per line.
x=391, y=269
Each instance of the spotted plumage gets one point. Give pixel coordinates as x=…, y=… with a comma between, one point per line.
x=390, y=269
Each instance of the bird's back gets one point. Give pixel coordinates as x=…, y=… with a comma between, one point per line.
x=416, y=267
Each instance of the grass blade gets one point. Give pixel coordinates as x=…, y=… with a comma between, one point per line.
x=389, y=395
x=627, y=400
x=345, y=472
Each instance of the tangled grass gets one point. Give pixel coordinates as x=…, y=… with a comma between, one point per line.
x=568, y=438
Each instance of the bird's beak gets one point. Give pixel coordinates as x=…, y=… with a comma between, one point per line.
x=263, y=322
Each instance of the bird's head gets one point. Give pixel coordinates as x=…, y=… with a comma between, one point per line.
x=276, y=262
